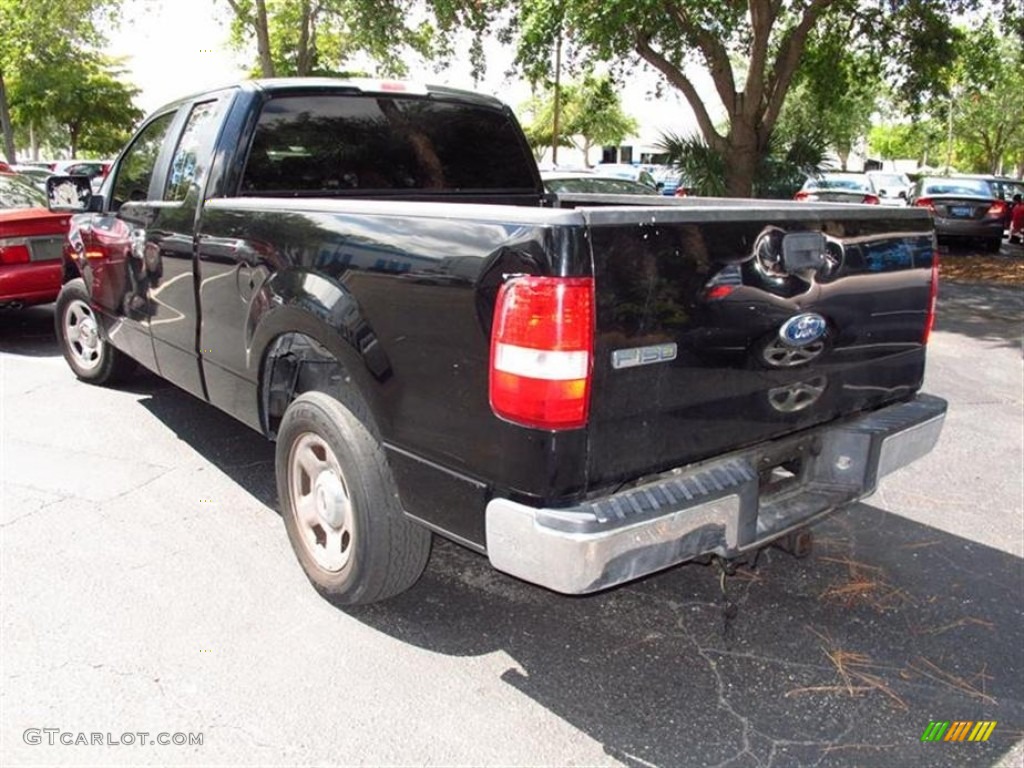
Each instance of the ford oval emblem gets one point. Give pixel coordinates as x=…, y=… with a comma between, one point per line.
x=801, y=330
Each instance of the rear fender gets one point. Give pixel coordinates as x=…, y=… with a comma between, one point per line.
x=306, y=332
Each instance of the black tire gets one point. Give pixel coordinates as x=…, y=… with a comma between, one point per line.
x=370, y=551
x=993, y=244
x=94, y=360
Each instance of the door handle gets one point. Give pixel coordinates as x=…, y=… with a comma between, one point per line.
x=138, y=243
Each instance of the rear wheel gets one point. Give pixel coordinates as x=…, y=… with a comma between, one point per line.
x=993, y=244
x=341, y=507
x=91, y=357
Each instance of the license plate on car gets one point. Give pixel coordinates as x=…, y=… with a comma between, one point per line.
x=960, y=211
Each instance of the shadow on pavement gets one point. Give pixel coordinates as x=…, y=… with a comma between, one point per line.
x=28, y=332
x=842, y=658
x=243, y=454
x=987, y=312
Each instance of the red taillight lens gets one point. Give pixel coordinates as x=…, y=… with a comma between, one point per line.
x=997, y=210
x=542, y=349
x=680, y=192
x=14, y=254
x=933, y=296
x=801, y=195
x=718, y=292
x=925, y=202
x=872, y=200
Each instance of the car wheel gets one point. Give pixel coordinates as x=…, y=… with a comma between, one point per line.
x=993, y=244
x=341, y=507
x=92, y=358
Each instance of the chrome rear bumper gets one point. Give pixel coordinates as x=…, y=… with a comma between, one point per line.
x=723, y=506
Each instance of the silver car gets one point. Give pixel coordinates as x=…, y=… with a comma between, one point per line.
x=963, y=208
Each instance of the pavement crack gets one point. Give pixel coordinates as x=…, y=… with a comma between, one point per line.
x=35, y=511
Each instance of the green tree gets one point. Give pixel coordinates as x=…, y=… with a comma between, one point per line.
x=44, y=27
x=751, y=50
x=780, y=172
x=834, y=94
x=918, y=139
x=987, y=116
x=91, y=113
x=591, y=115
x=297, y=38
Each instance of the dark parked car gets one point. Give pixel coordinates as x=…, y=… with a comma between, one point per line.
x=555, y=181
x=31, y=241
x=963, y=208
x=1006, y=189
x=838, y=188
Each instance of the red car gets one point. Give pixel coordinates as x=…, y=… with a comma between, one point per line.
x=31, y=242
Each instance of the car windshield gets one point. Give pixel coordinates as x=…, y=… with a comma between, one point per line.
x=969, y=187
x=889, y=180
x=16, y=193
x=843, y=183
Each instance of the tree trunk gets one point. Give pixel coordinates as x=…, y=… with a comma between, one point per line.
x=304, y=57
x=33, y=141
x=844, y=158
x=263, y=39
x=741, y=160
x=73, y=139
x=5, y=122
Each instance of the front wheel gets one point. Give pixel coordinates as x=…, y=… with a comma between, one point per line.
x=341, y=507
x=91, y=357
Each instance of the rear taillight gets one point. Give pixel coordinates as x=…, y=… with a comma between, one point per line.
x=680, y=192
x=872, y=200
x=542, y=349
x=718, y=292
x=925, y=202
x=933, y=295
x=997, y=210
x=801, y=195
x=14, y=254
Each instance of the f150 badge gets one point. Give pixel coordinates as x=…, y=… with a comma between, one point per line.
x=630, y=358
x=801, y=330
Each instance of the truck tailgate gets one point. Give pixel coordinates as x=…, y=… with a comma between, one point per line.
x=721, y=325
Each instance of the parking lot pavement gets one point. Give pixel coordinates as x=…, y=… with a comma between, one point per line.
x=147, y=585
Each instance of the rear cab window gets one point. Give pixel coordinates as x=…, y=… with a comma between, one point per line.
x=341, y=144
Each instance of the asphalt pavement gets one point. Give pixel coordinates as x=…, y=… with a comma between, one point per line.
x=146, y=585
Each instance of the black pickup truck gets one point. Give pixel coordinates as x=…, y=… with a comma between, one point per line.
x=585, y=388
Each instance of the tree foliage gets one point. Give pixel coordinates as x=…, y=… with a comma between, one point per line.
x=979, y=104
x=591, y=115
x=296, y=38
x=752, y=51
x=91, y=113
x=780, y=172
x=988, y=111
x=834, y=95
x=45, y=29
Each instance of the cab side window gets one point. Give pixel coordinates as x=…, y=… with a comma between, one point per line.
x=187, y=166
x=136, y=167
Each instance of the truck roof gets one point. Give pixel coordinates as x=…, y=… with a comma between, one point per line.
x=363, y=85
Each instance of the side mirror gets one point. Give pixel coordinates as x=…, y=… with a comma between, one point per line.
x=68, y=194
x=903, y=195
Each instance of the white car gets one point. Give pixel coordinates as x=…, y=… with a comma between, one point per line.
x=892, y=188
